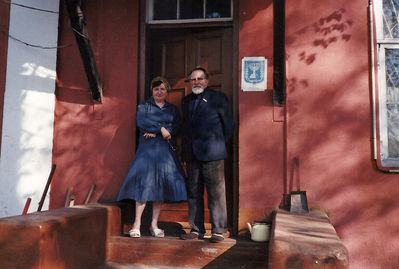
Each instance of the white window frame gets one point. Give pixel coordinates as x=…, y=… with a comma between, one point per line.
x=383, y=119
x=382, y=44
x=150, y=8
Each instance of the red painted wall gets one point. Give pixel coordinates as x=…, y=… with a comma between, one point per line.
x=260, y=126
x=94, y=143
x=329, y=127
x=4, y=24
x=328, y=122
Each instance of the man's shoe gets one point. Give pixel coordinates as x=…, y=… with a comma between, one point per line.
x=191, y=236
x=216, y=238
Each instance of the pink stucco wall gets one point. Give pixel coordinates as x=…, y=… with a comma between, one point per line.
x=94, y=143
x=329, y=127
x=260, y=130
x=328, y=122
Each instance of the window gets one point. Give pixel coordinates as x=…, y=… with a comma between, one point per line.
x=174, y=11
x=387, y=34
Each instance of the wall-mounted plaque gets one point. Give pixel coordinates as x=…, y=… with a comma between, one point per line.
x=254, y=74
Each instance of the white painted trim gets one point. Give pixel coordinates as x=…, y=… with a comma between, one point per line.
x=188, y=21
x=150, y=14
x=382, y=106
x=383, y=116
x=382, y=45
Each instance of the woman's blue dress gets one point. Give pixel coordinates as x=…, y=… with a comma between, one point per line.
x=155, y=173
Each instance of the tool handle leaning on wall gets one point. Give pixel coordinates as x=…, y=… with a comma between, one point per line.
x=46, y=188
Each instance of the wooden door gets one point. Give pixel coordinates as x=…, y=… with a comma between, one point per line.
x=173, y=53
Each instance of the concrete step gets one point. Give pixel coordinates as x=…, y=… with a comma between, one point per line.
x=115, y=265
x=172, y=228
x=173, y=252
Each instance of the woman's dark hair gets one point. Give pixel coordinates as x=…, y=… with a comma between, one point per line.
x=155, y=82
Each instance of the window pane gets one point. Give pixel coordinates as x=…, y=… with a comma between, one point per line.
x=218, y=8
x=392, y=80
x=191, y=9
x=391, y=8
x=164, y=10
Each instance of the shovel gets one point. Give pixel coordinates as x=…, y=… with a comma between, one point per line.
x=298, y=200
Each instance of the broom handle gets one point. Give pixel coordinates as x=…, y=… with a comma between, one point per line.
x=89, y=194
x=50, y=177
x=25, y=211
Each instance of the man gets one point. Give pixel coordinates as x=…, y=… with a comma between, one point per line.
x=207, y=126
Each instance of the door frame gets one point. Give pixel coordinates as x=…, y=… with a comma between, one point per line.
x=143, y=78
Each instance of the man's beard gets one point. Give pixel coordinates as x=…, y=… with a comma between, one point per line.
x=197, y=89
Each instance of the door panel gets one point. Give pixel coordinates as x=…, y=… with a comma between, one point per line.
x=209, y=52
x=173, y=61
x=173, y=53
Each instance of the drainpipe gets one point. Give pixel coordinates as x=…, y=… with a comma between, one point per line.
x=279, y=82
x=372, y=68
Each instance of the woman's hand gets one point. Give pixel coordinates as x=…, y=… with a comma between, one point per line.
x=165, y=134
x=149, y=135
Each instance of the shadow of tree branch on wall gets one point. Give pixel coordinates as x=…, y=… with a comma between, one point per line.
x=330, y=130
x=327, y=30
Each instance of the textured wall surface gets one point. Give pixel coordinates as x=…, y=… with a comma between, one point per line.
x=28, y=111
x=329, y=128
x=260, y=129
x=95, y=143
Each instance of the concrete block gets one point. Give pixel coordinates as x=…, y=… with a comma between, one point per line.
x=305, y=241
x=73, y=237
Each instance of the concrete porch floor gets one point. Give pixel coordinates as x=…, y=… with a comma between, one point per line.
x=172, y=251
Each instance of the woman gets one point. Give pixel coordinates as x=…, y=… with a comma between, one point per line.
x=155, y=173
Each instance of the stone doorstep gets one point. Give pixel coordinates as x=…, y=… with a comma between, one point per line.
x=115, y=265
x=172, y=251
x=305, y=241
x=76, y=237
x=73, y=237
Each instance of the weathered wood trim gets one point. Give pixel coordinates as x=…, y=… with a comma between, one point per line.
x=143, y=66
x=77, y=23
x=4, y=25
x=279, y=52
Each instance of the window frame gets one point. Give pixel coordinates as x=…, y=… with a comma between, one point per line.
x=383, y=111
x=382, y=44
x=150, y=8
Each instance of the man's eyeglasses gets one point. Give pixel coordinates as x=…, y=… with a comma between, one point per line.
x=194, y=79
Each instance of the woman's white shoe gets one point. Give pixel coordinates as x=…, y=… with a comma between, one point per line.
x=135, y=233
x=157, y=233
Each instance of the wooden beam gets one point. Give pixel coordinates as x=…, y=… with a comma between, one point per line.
x=279, y=53
x=78, y=24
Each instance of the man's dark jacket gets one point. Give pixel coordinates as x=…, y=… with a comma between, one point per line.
x=206, y=131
